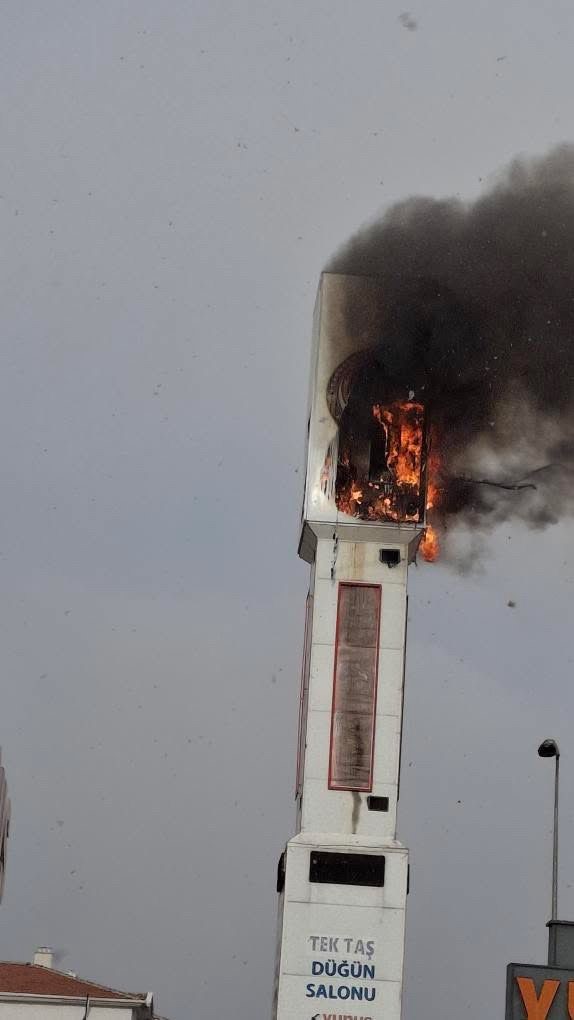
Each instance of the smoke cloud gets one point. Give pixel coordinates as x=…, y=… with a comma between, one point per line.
x=475, y=314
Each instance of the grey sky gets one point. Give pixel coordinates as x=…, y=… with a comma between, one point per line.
x=174, y=176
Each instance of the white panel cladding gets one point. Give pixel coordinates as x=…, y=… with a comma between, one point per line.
x=341, y=811
x=332, y=343
x=293, y=1006
x=368, y=923
x=391, y=678
x=325, y=611
x=393, y=616
x=299, y=888
x=321, y=677
x=317, y=754
x=342, y=946
x=387, y=749
x=328, y=810
x=359, y=561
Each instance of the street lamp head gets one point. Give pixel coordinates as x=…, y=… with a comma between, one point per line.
x=549, y=749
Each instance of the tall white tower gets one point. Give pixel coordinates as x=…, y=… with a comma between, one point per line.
x=343, y=878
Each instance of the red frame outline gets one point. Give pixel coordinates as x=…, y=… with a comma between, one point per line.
x=355, y=789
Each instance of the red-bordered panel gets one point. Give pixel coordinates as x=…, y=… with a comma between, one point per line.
x=354, y=706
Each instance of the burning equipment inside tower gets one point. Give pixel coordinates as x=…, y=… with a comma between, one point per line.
x=378, y=460
x=374, y=433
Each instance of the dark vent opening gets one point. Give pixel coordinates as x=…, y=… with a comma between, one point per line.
x=378, y=803
x=346, y=869
x=392, y=557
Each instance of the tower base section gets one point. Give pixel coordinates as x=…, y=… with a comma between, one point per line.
x=341, y=929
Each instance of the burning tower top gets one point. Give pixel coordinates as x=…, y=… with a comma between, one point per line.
x=368, y=440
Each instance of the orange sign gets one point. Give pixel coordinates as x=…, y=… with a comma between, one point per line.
x=539, y=993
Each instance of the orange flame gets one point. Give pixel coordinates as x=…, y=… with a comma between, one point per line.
x=430, y=542
x=379, y=476
x=403, y=425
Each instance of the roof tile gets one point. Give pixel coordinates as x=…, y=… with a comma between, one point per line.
x=31, y=979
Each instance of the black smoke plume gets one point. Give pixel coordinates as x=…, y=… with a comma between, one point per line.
x=475, y=314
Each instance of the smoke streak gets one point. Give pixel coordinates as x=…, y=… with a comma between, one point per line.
x=475, y=313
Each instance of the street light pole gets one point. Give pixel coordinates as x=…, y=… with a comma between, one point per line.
x=549, y=749
x=555, y=841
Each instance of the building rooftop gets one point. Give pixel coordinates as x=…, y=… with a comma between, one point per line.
x=34, y=979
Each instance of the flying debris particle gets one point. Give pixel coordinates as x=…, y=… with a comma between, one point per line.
x=511, y=604
x=407, y=21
